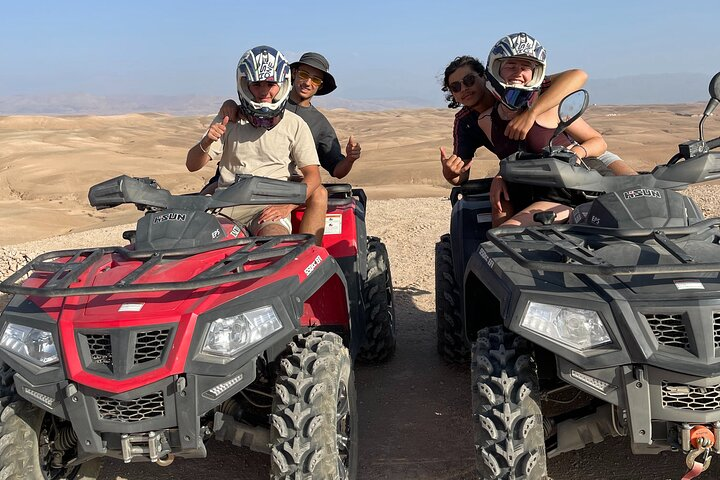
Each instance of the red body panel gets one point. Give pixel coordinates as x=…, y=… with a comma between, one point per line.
x=340, y=238
x=178, y=308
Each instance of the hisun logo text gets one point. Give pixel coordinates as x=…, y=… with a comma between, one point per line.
x=642, y=192
x=178, y=217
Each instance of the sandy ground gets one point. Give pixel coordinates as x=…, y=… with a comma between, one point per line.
x=415, y=410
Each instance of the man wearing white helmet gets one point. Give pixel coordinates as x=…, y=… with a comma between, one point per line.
x=267, y=141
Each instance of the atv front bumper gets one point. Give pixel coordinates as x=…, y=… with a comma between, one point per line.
x=661, y=406
x=142, y=424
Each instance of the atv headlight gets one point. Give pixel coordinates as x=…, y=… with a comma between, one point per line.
x=576, y=328
x=227, y=336
x=32, y=344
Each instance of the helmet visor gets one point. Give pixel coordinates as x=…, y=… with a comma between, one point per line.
x=516, y=98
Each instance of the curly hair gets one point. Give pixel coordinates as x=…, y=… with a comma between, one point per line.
x=458, y=62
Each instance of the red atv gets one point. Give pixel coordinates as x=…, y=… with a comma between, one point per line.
x=194, y=330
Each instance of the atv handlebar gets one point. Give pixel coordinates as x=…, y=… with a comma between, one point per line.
x=552, y=171
x=146, y=194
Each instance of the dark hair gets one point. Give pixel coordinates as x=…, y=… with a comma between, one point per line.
x=458, y=62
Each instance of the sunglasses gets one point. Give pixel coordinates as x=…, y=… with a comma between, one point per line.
x=305, y=76
x=468, y=80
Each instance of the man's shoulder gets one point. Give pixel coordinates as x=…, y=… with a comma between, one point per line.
x=291, y=116
x=292, y=121
x=466, y=115
x=294, y=125
x=310, y=113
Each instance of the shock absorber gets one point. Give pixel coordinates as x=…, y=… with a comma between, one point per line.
x=66, y=438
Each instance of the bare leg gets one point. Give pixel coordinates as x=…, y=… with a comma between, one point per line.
x=272, y=229
x=619, y=167
x=525, y=216
x=313, y=221
x=498, y=218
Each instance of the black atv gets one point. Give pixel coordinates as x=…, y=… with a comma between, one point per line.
x=608, y=325
x=193, y=330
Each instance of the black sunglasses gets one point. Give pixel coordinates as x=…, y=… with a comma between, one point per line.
x=468, y=80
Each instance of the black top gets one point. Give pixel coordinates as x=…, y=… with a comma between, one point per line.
x=536, y=139
x=326, y=141
x=467, y=135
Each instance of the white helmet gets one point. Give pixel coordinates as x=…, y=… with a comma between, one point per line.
x=516, y=45
x=260, y=64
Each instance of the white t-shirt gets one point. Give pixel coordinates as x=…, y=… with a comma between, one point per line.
x=276, y=153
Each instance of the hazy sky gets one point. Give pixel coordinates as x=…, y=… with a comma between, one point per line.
x=377, y=49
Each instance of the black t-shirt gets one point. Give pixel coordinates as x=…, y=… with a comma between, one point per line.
x=326, y=141
x=467, y=134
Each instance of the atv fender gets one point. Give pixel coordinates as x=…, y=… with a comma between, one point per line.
x=486, y=300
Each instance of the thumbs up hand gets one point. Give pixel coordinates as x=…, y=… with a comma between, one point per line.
x=352, y=149
x=217, y=130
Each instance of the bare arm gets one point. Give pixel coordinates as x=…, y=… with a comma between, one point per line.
x=563, y=84
x=197, y=156
x=591, y=143
x=311, y=178
x=352, y=153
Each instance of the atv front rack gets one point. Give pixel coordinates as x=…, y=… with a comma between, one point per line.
x=65, y=267
x=573, y=255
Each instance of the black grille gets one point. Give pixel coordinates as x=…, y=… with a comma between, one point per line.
x=689, y=397
x=669, y=329
x=136, y=410
x=124, y=352
x=716, y=326
x=149, y=345
x=100, y=350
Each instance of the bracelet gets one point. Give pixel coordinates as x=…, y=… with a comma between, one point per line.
x=207, y=152
x=578, y=145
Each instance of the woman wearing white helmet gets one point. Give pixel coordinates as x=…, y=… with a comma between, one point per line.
x=514, y=73
x=464, y=86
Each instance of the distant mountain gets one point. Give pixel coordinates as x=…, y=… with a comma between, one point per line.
x=629, y=90
x=649, y=89
x=85, y=104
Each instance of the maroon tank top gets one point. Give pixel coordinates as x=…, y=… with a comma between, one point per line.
x=536, y=139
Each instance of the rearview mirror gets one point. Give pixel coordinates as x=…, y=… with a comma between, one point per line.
x=714, y=96
x=712, y=104
x=569, y=110
x=572, y=106
x=715, y=87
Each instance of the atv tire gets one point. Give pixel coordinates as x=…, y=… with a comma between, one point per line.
x=22, y=425
x=509, y=435
x=314, y=423
x=452, y=345
x=380, y=337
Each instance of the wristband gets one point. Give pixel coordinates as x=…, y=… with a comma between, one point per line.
x=578, y=145
x=207, y=152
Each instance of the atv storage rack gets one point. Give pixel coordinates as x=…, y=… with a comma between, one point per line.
x=62, y=273
x=552, y=248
